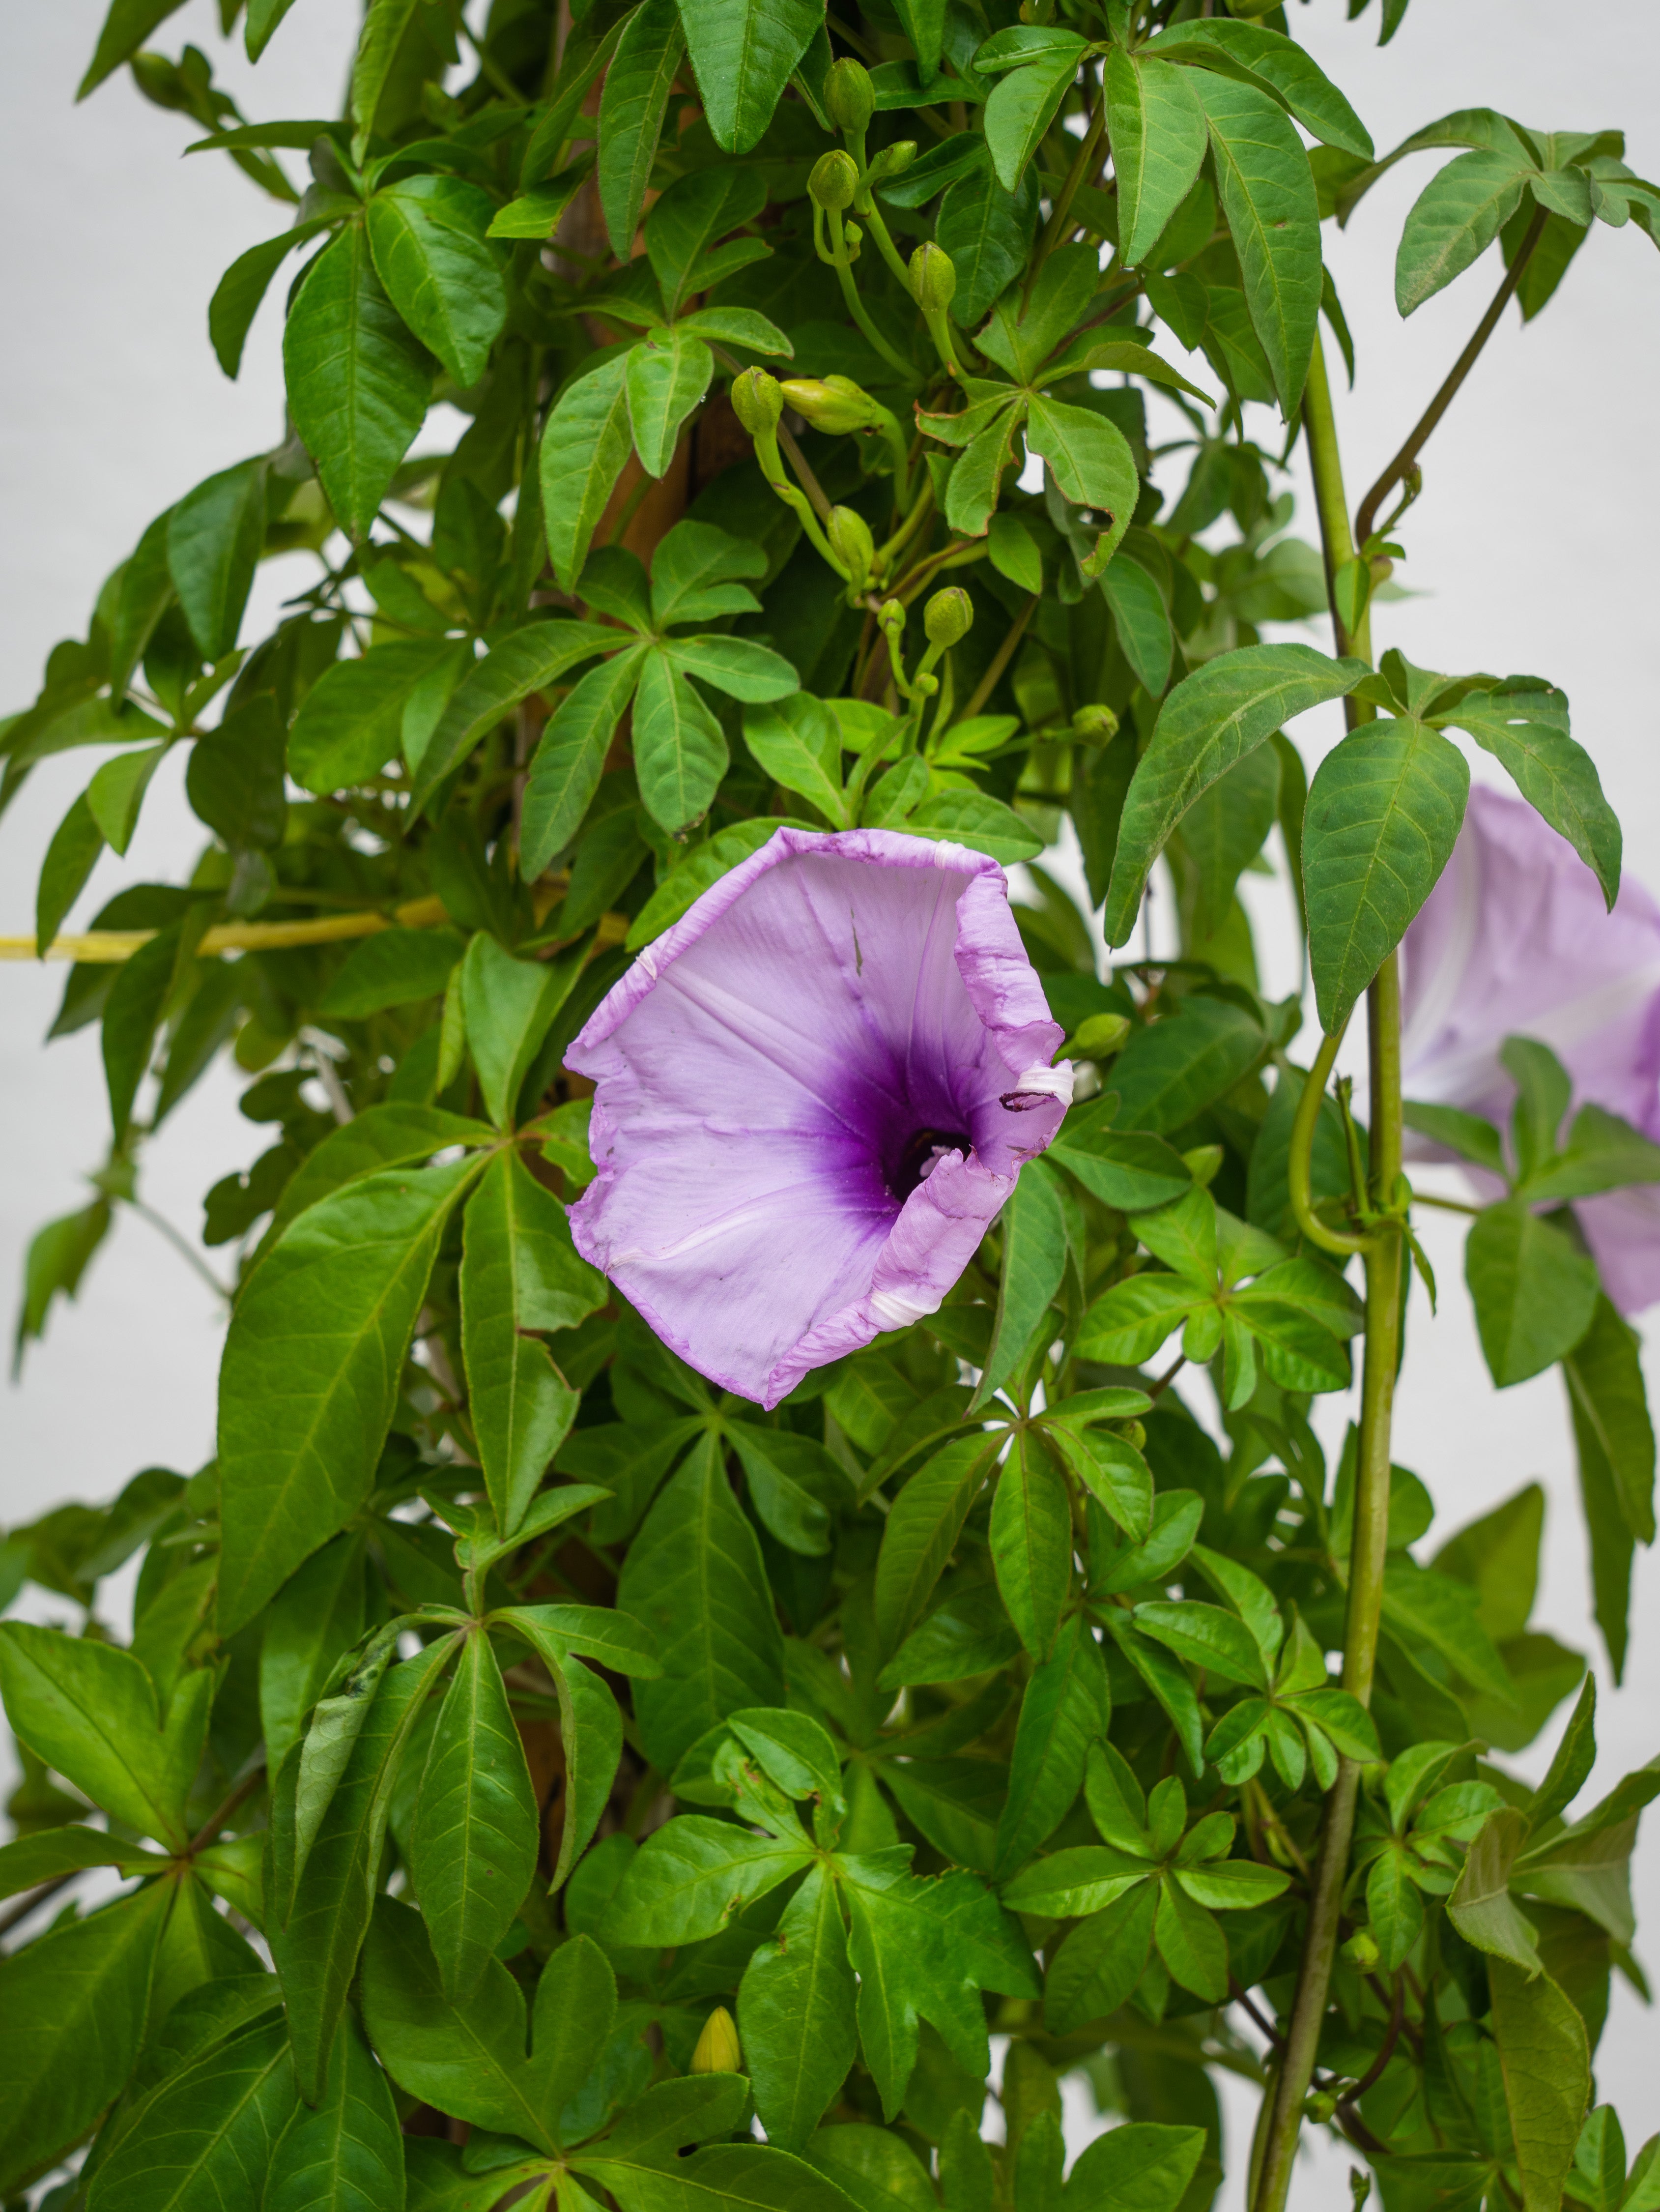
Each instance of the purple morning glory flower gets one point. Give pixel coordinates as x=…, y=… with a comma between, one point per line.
x=814, y=1095
x=1515, y=940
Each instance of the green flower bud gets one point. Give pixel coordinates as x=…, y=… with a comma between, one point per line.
x=1100, y=1036
x=835, y=180
x=948, y=616
x=850, y=98
x=831, y=402
x=757, y=402
x=1133, y=1432
x=717, y=2050
x=933, y=277
x=1361, y=1950
x=1095, y=726
x=851, y=542
x=892, y=159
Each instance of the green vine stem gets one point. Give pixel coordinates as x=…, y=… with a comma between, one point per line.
x=1382, y=1250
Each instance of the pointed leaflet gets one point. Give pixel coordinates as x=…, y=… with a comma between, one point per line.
x=72, y=2006
x=1456, y=216
x=1211, y=720
x=509, y=1006
x=1268, y=195
x=796, y=2015
x=426, y=235
x=214, y=538
x=691, y=1877
x=922, y=1530
x=1065, y=1707
x=1091, y=465
x=519, y=1273
x=377, y=52
x=1032, y=1543
x=1557, y=777
x=316, y=1949
x=1611, y=1423
x=206, y=2136
x=1383, y=812
x=669, y=372
x=591, y=1739
x=566, y=768
x=693, y=1575
x=1546, y=2065
x=1280, y=64
x=358, y=382
x=90, y=1711
x=680, y=751
x=987, y=233
x=315, y=1618
x=526, y=660
x=583, y=450
x=1158, y=134
x=1034, y=1230
x=311, y=1371
x=631, y=111
x=742, y=52
x=347, y=2155
x=1142, y=625
x=351, y=721
x=473, y=1842
x=1534, y=1291
x=1023, y=105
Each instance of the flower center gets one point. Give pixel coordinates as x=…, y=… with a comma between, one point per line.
x=921, y=1154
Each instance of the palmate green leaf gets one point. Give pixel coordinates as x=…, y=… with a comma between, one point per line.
x=570, y=758
x=1534, y=1291
x=1129, y=1170
x=519, y=1274
x=690, y=1876
x=1280, y=64
x=347, y=2155
x=796, y=742
x=987, y=232
x=1455, y=218
x=426, y=235
x=473, y=1842
x=1023, y=105
x=1384, y=812
x=1268, y=195
x=669, y=372
x=91, y=1712
x=1546, y=2065
x=526, y=660
x=1212, y=720
x=1032, y=1543
x=1159, y=138
x=680, y=752
x=637, y=85
x=72, y=2012
x=208, y=2136
x=693, y=1576
x=796, y=2015
x=214, y=538
x=1557, y=777
x=1173, y=1069
x=1099, y=1965
x=742, y=52
x=389, y=1136
x=1065, y=1707
x=584, y=448
x=1207, y=1637
x=1143, y=2167
x=311, y=1371
x=358, y=382
x=1128, y=1323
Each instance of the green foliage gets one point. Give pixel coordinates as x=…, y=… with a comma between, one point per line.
x=609, y=1764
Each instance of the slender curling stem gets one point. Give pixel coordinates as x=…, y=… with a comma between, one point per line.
x=1418, y=437
x=1001, y=659
x=1298, y=1166
x=1384, y=1255
x=855, y=307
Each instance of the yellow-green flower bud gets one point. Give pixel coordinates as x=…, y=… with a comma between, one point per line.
x=892, y=159
x=835, y=180
x=1100, y=1036
x=933, y=277
x=948, y=616
x=757, y=402
x=851, y=542
x=1361, y=1950
x=717, y=2050
x=1095, y=726
x=850, y=98
x=831, y=402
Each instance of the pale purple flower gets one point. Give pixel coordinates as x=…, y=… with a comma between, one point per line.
x=814, y=1095
x=1515, y=940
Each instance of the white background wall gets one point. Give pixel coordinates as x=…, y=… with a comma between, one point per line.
x=1532, y=548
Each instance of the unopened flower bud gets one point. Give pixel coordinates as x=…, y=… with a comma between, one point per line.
x=850, y=98
x=1361, y=1950
x=1100, y=1036
x=1133, y=1433
x=830, y=403
x=757, y=401
x=948, y=616
x=835, y=180
x=851, y=542
x=718, y=2051
x=1095, y=726
x=933, y=277
x=892, y=159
